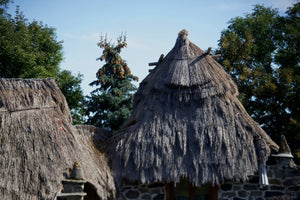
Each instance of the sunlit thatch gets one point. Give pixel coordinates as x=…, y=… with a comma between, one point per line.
x=38, y=144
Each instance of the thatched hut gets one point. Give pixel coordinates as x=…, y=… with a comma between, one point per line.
x=38, y=144
x=188, y=122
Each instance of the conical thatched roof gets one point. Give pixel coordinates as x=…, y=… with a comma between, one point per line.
x=38, y=144
x=187, y=121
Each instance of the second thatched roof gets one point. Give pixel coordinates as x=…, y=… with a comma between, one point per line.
x=187, y=121
x=39, y=145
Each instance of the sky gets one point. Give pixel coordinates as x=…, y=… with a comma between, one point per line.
x=151, y=27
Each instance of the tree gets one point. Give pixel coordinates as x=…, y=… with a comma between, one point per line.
x=111, y=103
x=31, y=50
x=261, y=54
x=70, y=87
x=28, y=50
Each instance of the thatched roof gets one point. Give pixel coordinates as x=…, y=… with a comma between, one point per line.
x=187, y=121
x=39, y=145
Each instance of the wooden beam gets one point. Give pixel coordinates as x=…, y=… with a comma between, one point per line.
x=161, y=58
x=216, y=56
x=153, y=63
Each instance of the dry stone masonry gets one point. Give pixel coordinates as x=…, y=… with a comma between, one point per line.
x=154, y=191
x=284, y=183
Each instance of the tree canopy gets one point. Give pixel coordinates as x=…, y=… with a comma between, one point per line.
x=261, y=52
x=70, y=86
x=28, y=49
x=31, y=50
x=110, y=104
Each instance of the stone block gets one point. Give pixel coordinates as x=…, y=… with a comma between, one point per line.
x=256, y=194
x=226, y=187
x=155, y=191
x=132, y=194
x=275, y=181
x=146, y=196
x=289, y=193
x=293, y=173
x=276, y=187
x=294, y=188
x=242, y=194
x=237, y=198
x=279, y=173
x=159, y=197
x=291, y=182
x=250, y=187
x=273, y=194
x=229, y=194
x=237, y=187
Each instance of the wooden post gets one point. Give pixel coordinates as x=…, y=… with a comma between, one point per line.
x=169, y=191
x=213, y=192
x=191, y=192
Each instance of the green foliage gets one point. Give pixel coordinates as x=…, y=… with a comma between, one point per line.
x=261, y=52
x=111, y=103
x=3, y=6
x=31, y=50
x=28, y=49
x=70, y=87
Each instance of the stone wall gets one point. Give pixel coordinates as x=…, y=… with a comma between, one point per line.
x=284, y=183
x=154, y=191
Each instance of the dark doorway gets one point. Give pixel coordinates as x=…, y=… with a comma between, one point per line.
x=186, y=191
x=91, y=192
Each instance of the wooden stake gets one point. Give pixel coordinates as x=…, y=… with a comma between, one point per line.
x=208, y=51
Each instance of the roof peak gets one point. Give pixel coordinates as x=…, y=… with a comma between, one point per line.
x=183, y=32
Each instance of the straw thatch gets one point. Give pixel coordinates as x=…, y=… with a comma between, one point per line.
x=187, y=121
x=38, y=144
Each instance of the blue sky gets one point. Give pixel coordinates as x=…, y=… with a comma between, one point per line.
x=151, y=27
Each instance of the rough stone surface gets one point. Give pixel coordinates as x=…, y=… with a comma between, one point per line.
x=242, y=193
x=137, y=191
x=146, y=196
x=280, y=187
x=291, y=182
x=250, y=187
x=131, y=194
x=284, y=183
x=159, y=197
x=256, y=193
x=273, y=194
x=229, y=194
x=237, y=198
